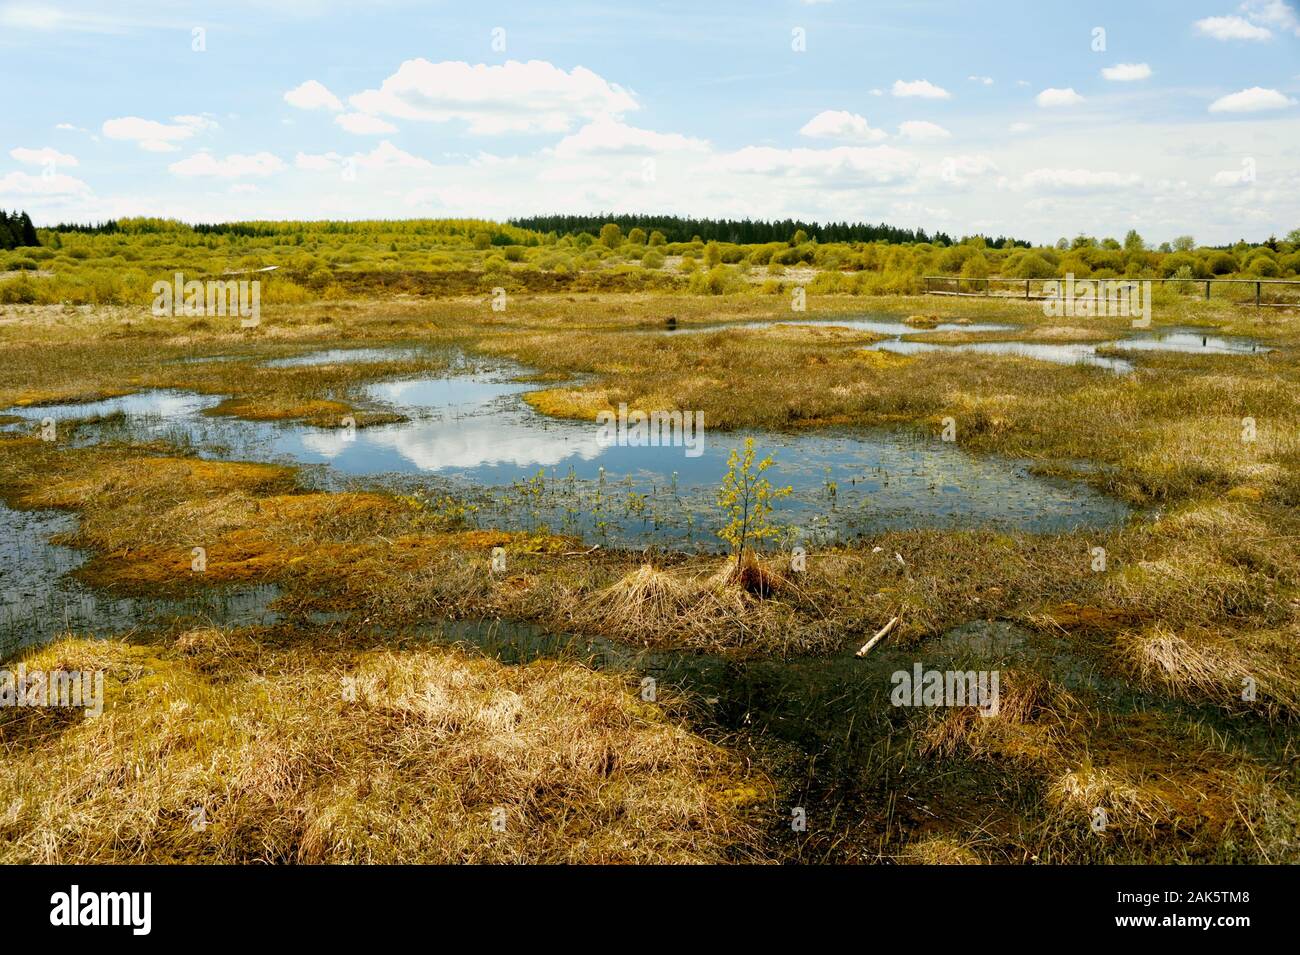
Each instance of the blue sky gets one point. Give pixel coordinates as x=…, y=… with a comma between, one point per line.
x=1018, y=118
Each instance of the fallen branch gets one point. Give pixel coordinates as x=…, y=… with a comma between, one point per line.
x=880, y=635
x=580, y=553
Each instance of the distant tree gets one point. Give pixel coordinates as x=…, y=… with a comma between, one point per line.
x=482, y=240
x=712, y=254
x=1133, y=242
x=28, y=231
x=657, y=237
x=1264, y=267
x=1184, y=243
x=1221, y=263
x=636, y=236
x=800, y=237
x=1033, y=266
x=975, y=267
x=611, y=236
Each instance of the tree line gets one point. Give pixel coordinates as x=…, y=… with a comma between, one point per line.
x=16, y=230
x=742, y=231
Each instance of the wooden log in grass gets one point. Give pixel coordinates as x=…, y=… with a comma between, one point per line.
x=880, y=635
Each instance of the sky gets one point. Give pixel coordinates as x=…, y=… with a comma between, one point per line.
x=1034, y=119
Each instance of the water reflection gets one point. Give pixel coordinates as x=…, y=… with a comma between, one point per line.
x=473, y=435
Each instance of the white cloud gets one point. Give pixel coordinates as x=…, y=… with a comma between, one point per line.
x=1232, y=28
x=1251, y=100
x=312, y=95
x=958, y=169
x=383, y=157
x=922, y=131
x=42, y=157
x=838, y=167
x=233, y=166
x=1126, y=72
x=513, y=97
x=388, y=156
x=1020, y=127
x=1276, y=13
x=922, y=88
x=841, y=124
x=47, y=17
x=154, y=136
x=1233, y=177
x=1077, y=180
x=576, y=172
x=609, y=137
x=1051, y=97
x=322, y=162
x=25, y=184
x=985, y=80
x=364, y=125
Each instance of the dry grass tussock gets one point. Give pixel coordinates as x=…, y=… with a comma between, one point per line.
x=736, y=609
x=375, y=756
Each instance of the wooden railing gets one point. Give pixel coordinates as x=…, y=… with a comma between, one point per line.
x=1011, y=288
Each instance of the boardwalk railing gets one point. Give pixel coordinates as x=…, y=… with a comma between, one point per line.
x=1034, y=289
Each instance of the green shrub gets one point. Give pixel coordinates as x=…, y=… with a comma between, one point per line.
x=1263, y=267
x=19, y=291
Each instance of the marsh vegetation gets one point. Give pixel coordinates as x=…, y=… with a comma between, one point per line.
x=402, y=683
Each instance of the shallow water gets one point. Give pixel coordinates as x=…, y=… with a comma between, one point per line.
x=1068, y=353
x=474, y=435
x=342, y=356
x=1190, y=340
x=1086, y=353
x=39, y=600
x=1062, y=354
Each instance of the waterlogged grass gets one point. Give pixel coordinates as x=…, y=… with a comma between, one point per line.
x=1134, y=700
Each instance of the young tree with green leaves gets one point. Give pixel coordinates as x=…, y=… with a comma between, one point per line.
x=745, y=498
